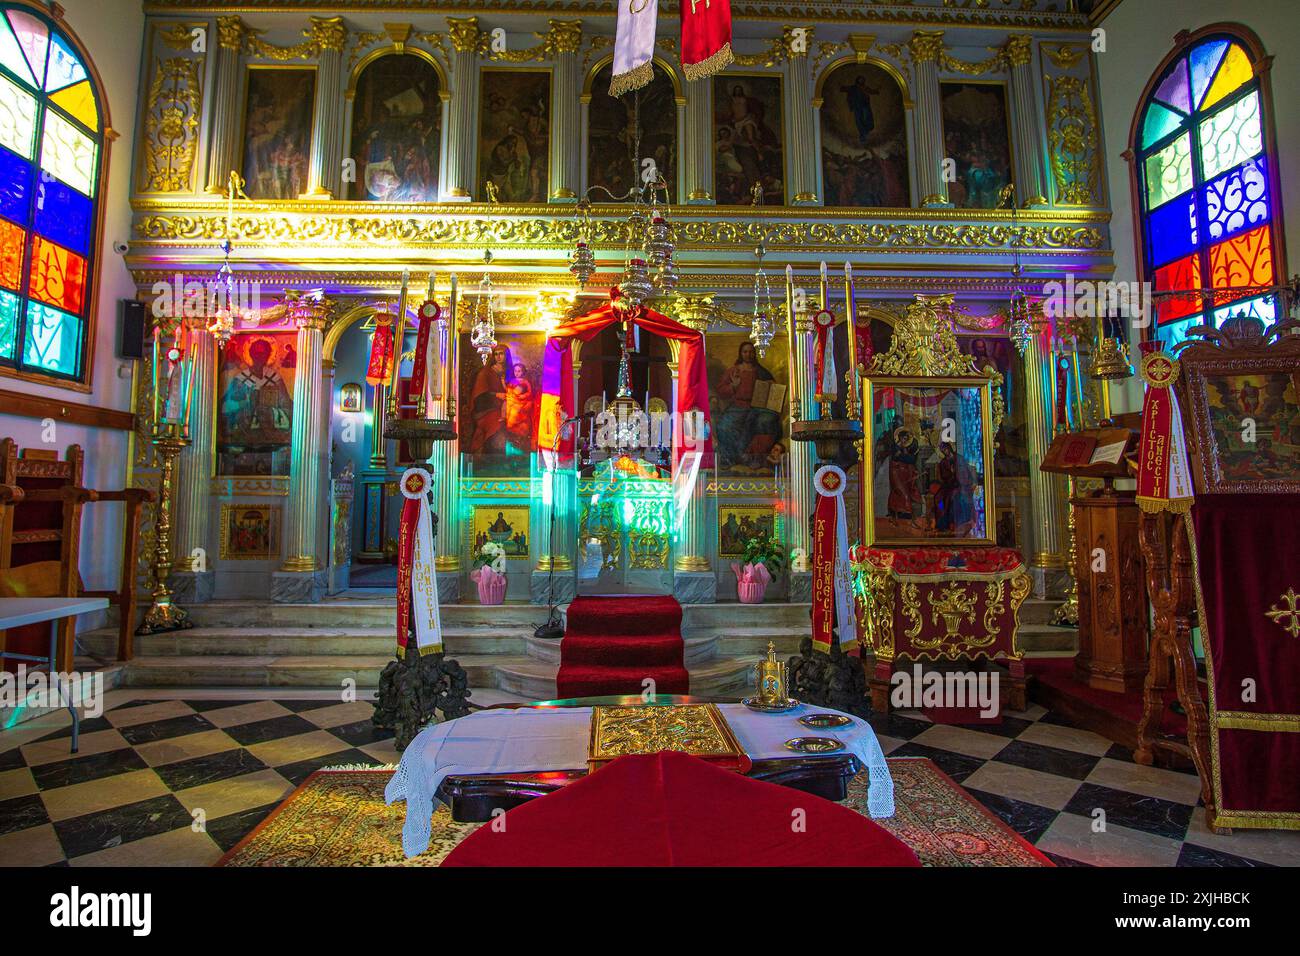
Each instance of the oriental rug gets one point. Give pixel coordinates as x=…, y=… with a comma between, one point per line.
x=612, y=645
x=339, y=818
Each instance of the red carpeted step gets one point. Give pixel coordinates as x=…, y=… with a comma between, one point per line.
x=582, y=681
x=612, y=645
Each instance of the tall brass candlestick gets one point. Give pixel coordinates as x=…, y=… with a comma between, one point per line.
x=851, y=313
x=399, y=342
x=1068, y=612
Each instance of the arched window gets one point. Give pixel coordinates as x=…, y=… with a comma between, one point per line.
x=396, y=129
x=51, y=170
x=1206, y=186
x=611, y=131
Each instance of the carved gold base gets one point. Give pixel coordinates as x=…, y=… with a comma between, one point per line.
x=457, y=193
x=299, y=562
x=1049, y=560
x=446, y=562
x=564, y=192
x=691, y=562
x=560, y=562
x=805, y=199
x=165, y=616
x=1067, y=613
x=700, y=195
x=318, y=193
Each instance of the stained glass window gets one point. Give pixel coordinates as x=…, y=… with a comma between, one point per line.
x=1207, y=204
x=51, y=152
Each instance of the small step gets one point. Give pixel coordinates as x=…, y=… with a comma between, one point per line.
x=286, y=671
x=536, y=679
x=300, y=641
x=1039, y=638
x=697, y=649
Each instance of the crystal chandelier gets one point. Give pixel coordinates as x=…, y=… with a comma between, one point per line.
x=763, y=328
x=483, y=336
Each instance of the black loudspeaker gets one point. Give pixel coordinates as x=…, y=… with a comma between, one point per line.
x=131, y=329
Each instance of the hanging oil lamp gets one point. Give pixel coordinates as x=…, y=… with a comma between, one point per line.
x=583, y=262
x=483, y=335
x=762, y=329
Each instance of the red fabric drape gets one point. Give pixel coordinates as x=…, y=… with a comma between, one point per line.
x=557, y=375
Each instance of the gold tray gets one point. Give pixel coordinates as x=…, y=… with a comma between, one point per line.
x=696, y=729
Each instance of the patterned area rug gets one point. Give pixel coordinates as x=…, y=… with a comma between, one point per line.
x=338, y=818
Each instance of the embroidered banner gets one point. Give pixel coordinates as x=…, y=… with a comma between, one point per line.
x=417, y=580
x=1164, y=481
x=824, y=356
x=706, y=37
x=634, y=45
x=379, y=371
x=832, y=599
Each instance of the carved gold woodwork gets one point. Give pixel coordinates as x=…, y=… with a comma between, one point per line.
x=1073, y=135
x=173, y=108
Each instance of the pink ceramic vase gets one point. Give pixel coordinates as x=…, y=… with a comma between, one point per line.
x=751, y=592
x=491, y=586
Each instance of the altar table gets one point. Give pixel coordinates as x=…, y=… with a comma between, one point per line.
x=940, y=603
x=554, y=740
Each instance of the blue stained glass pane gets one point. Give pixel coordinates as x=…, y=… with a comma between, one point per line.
x=1172, y=229
x=1238, y=200
x=8, y=324
x=1205, y=60
x=65, y=66
x=63, y=215
x=1264, y=307
x=1176, y=332
x=53, y=340
x=15, y=180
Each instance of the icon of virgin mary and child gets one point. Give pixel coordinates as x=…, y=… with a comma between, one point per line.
x=503, y=407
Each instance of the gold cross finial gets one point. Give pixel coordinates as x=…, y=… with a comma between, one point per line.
x=1278, y=614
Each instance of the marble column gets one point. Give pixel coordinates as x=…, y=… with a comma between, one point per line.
x=926, y=47
x=301, y=578
x=564, y=39
x=325, y=169
x=1028, y=135
x=1046, y=491
x=696, y=148
x=223, y=135
x=694, y=581
x=466, y=43
x=193, y=577
x=802, y=190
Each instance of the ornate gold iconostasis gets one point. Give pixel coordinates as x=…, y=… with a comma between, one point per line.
x=366, y=147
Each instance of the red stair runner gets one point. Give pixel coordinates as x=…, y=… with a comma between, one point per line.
x=612, y=644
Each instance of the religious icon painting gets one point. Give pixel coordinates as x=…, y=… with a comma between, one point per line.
x=749, y=403
x=396, y=130
x=506, y=525
x=864, y=138
x=514, y=138
x=977, y=137
x=278, y=115
x=1254, y=424
x=499, y=404
x=739, y=524
x=250, y=532
x=1008, y=528
x=1012, y=459
x=748, y=139
x=255, y=404
x=929, y=474
x=612, y=161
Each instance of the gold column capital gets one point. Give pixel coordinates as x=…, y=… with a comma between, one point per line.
x=328, y=33
x=1019, y=49
x=230, y=33
x=788, y=41
x=465, y=35
x=563, y=36
x=926, y=45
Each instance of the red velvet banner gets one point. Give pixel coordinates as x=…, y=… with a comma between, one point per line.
x=420, y=362
x=380, y=368
x=706, y=37
x=823, y=585
x=1249, y=572
x=405, y=562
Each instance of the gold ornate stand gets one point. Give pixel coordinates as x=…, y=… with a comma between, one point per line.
x=163, y=614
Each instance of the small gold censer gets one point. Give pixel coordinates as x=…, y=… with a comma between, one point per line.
x=769, y=694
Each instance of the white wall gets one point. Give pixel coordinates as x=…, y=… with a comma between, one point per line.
x=112, y=31
x=1139, y=34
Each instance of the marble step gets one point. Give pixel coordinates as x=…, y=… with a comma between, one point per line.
x=1042, y=638
x=697, y=649
x=332, y=613
x=316, y=671
x=1038, y=611
x=324, y=641
x=536, y=679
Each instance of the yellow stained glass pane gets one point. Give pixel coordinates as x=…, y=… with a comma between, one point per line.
x=79, y=103
x=1234, y=72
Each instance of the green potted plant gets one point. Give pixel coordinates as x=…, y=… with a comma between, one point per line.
x=763, y=560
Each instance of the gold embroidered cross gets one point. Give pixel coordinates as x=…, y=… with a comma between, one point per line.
x=1278, y=614
x=694, y=3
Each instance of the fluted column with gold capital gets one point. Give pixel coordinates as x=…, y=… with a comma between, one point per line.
x=193, y=576
x=697, y=153
x=1046, y=491
x=1029, y=135
x=467, y=43
x=301, y=579
x=563, y=40
x=325, y=171
x=802, y=190
x=223, y=136
x=926, y=47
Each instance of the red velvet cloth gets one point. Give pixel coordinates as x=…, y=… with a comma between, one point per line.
x=557, y=374
x=1248, y=561
x=612, y=644
x=670, y=809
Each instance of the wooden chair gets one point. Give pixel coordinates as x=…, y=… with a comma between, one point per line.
x=40, y=538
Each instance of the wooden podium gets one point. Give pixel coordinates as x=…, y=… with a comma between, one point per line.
x=1108, y=559
x=1112, y=601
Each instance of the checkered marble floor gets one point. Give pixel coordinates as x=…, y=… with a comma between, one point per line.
x=157, y=763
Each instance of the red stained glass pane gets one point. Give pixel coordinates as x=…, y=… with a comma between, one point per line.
x=1244, y=260
x=1180, y=274
x=58, y=276
x=13, y=240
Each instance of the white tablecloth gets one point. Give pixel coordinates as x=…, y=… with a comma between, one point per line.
x=532, y=739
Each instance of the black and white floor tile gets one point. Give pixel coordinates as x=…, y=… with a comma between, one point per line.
x=177, y=778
